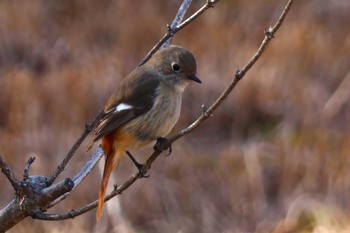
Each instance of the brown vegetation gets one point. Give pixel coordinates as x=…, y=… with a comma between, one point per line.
x=272, y=158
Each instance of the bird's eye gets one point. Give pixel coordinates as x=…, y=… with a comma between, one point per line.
x=175, y=67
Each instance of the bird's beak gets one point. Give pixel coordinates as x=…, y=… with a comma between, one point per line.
x=194, y=78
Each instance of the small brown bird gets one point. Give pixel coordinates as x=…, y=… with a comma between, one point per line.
x=144, y=107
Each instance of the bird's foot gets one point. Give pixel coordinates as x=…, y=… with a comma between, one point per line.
x=163, y=144
x=141, y=167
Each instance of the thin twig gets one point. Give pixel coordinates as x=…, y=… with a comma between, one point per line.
x=26, y=169
x=89, y=165
x=173, y=30
x=206, y=6
x=206, y=114
x=84, y=171
x=269, y=34
x=72, y=151
x=5, y=168
x=177, y=20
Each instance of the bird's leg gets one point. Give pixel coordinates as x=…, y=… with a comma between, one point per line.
x=140, y=167
x=163, y=144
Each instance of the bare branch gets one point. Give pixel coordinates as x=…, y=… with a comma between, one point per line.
x=172, y=30
x=177, y=20
x=54, y=191
x=35, y=193
x=72, y=151
x=84, y=171
x=9, y=174
x=90, y=164
x=26, y=169
x=269, y=34
x=32, y=195
x=206, y=114
x=76, y=212
x=206, y=6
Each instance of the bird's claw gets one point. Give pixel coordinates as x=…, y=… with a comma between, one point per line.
x=141, y=167
x=163, y=144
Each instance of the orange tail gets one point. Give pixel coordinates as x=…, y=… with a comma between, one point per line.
x=112, y=160
x=106, y=174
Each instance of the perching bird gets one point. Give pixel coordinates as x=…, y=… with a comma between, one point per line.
x=144, y=107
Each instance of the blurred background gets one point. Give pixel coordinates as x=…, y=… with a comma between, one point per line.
x=273, y=158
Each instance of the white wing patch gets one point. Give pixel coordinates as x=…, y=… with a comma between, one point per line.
x=121, y=107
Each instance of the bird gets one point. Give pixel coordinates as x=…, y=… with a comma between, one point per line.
x=144, y=107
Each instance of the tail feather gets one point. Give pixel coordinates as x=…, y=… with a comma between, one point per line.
x=106, y=174
x=112, y=159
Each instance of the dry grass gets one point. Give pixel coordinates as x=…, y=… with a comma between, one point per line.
x=275, y=156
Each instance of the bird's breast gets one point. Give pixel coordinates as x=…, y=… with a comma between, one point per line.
x=159, y=120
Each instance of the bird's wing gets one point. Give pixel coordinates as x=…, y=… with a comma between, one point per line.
x=134, y=97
